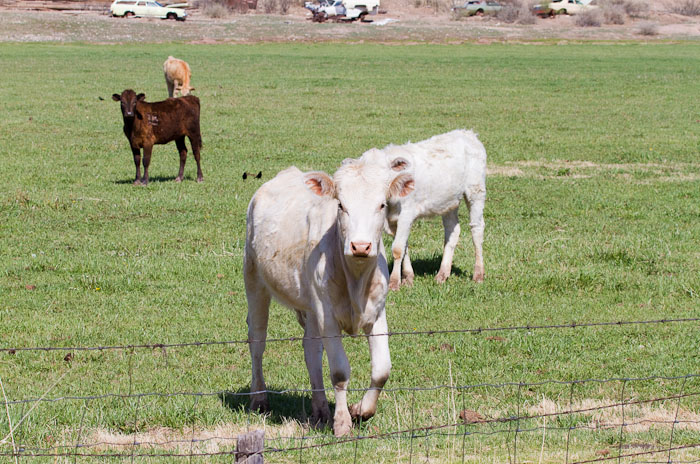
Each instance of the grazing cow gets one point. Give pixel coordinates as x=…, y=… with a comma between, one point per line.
x=147, y=124
x=446, y=168
x=315, y=245
x=177, y=76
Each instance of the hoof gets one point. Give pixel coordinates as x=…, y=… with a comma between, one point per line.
x=407, y=282
x=342, y=423
x=358, y=414
x=178, y=179
x=441, y=277
x=260, y=404
x=200, y=180
x=394, y=285
x=320, y=419
x=479, y=278
x=342, y=429
x=138, y=182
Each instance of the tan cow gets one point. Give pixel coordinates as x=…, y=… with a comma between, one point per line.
x=177, y=76
x=315, y=245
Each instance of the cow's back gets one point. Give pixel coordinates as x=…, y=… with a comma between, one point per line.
x=444, y=168
x=170, y=119
x=289, y=232
x=176, y=69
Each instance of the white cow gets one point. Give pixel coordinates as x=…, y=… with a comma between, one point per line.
x=315, y=245
x=446, y=168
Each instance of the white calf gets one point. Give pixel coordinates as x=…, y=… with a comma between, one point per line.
x=315, y=245
x=446, y=168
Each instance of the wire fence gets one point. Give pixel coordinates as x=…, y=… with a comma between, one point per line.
x=671, y=434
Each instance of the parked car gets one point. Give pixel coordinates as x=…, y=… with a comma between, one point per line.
x=542, y=10
x=478, y=8
x=148, y=9
x=346, y=9
x=569, y=6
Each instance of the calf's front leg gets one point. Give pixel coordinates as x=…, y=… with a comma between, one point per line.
x=398, y=250
x=147, y=150
x=313, y=355
x=450, y=222
x=137, y=161
x=381, y=366
x=340, y=376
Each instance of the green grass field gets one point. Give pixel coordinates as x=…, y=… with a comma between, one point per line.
x=593, y=214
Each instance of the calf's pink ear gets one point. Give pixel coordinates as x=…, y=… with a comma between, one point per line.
x=402, y=185
x=400, y=164
x=116, y=97
x=319, y=183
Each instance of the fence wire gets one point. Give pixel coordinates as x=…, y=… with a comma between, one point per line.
x=510, y=426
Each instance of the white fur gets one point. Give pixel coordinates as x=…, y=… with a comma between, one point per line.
x=446, y=168
x=299, y=250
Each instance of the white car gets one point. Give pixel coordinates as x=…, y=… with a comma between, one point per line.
x=350, y=9
x=569, y=6
x=147, y=9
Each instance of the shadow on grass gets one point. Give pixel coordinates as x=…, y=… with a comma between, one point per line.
x=153, y=179
x=285, y=405
x=430, y=267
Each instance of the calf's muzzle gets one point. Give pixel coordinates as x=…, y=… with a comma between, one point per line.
x=361, y=249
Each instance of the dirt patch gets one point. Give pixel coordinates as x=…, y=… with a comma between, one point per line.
x=641, y=173
x=604, y=414
x=200, y=440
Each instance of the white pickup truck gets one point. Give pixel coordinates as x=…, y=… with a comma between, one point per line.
x=343, y=9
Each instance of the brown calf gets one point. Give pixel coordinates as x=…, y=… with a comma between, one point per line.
x=177, y=76
x=147, y=124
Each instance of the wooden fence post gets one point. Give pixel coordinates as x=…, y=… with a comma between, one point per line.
x=249, y=447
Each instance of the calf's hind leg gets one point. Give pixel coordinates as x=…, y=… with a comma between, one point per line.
x=258, y=316
x=182, y=150
x=476, y=197
x=196, y=141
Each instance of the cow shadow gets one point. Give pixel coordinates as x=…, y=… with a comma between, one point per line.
x=153, y=179
x=283, y=405
x=429, y=267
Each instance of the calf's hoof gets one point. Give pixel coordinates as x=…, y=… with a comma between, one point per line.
x=478, y=275
x=259, y=403
x=200, y=180
x=441, y=277
x=342, y=425
x=178, y=179
x=358, y=413
x=407, y=281
x=321, y=419
x=138, y=182
x=394, y=284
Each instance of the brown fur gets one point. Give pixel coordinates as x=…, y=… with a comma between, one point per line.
x=147, y=124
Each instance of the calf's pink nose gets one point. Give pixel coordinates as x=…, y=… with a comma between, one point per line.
x=361, y=249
